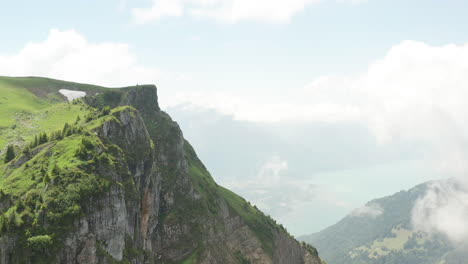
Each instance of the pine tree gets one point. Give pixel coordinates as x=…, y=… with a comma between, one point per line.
x=10, y=154
x=27, y=151
x=105, y=110
x=58, y=135
x=36, y=141
x=43, y=138
x=65, y=130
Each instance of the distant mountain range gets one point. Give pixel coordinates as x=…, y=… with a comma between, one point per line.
x=381, y=233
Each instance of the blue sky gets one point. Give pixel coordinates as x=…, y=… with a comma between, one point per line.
x=326, y=37
x=340, y=101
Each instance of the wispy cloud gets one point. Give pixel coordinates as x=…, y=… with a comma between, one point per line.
x=226, y=11
x=369, y=210
x=271, y=189
x=275, y=191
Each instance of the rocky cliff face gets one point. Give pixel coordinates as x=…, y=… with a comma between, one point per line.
x=149, y=198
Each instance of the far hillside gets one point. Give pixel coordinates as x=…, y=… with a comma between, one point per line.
x=382, y=233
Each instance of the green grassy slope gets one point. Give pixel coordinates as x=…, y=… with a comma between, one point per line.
x=387, y=238
x=32, y=105
x=51, y=183
x=57, y=177
x=261, y=224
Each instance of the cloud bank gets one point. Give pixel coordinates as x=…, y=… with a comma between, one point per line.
x=415, y=91
x=443, y=209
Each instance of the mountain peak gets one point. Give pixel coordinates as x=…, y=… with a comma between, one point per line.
x=143, y=97
x=111, y=179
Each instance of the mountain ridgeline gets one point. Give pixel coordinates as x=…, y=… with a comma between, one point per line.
x=109, y=178
x=382, y=233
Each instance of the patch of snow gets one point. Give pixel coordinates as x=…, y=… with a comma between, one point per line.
x=72, y=95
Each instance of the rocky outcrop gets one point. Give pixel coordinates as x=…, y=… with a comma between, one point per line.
x=162, y=206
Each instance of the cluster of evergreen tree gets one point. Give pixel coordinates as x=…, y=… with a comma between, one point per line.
x=106, y=110
x=39, y=140
x=67, y=130
x=10, y=154
x=43, y=137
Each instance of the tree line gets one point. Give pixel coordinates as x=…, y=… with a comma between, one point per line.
x=43, y=138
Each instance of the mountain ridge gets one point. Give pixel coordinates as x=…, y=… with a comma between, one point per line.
x=120, y=184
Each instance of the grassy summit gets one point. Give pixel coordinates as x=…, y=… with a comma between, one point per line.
x=32, y=105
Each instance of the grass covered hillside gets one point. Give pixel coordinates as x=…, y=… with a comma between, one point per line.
x=109, y=178
x=383, y=233
x=33, y=105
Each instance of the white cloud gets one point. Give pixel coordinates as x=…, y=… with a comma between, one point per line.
x=411, y=86
x=159, y=9
x=401, y=95
x=415, y=92
x=370, y=210
x=70, y=56
x=257, y=106
x=443, y=209
x=271, y=170
x=226, y=11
